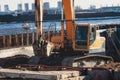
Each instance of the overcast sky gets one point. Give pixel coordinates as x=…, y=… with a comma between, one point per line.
x=53, y=3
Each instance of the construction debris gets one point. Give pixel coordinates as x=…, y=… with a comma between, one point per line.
x=44, y=75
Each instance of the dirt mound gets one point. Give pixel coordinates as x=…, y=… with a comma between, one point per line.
x=14, y=60
x=114, y=65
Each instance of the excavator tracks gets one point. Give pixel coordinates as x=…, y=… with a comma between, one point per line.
x=87, y=61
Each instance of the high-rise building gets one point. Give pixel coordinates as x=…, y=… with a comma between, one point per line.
x=26, y=7
x=33, y=7
x=19, y=6
x=0, y=8
x=6, y=8
x=59, y=5
x=46, y=5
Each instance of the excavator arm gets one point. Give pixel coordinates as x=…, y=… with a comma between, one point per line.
x=38, y=17
x=68, y=6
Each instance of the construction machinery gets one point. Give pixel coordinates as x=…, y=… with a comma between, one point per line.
x=76, y=52
x=75, y=45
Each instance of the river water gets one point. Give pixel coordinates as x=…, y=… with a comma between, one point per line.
x=5, y=28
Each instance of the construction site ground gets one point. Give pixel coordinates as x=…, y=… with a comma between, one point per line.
x=109, y=71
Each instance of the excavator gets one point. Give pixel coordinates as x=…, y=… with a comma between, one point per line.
x=75, y=45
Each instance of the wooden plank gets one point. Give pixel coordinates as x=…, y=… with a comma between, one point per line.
x=27, y=39
x=4, y=41
x=33, y=36
x=10, y=40
x=22, y=39
x=46, y=75
x=16, y=39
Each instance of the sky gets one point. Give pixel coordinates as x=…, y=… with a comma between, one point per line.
x=53, y=3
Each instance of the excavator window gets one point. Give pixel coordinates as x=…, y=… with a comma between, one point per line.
x=81, y=33
x=81, y=37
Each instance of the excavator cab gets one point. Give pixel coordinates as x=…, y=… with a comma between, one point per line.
x=81, y=40
x=84, y=36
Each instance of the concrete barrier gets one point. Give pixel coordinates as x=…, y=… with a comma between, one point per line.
x=17, y=51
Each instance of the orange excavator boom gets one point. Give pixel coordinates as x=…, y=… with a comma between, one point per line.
x=68, y=6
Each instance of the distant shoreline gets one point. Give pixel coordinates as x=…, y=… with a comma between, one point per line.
x=31, y=17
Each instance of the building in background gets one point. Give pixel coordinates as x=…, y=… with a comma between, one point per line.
x=19, y=7
x=46, y=6
x=6, y=8
x=109, y=9
x=26, y=7
x=59, y=6
x=19, y=10
x=0, y=8
x=78, y=8
x=33, y=6
x=92, y=7
x=52, y=11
